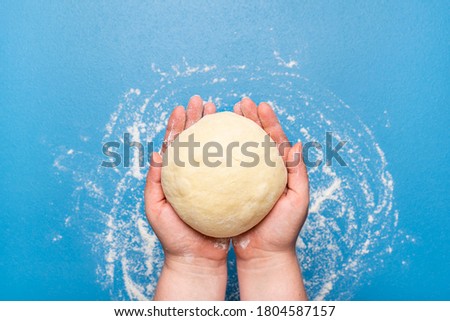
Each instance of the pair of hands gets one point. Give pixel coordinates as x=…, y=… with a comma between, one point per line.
x=264, y=247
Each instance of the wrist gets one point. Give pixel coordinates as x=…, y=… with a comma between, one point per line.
x=274, y=276
x=261, y=260
x=195, y=265
x=188, y=278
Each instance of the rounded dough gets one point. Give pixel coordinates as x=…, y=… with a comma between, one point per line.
x=223, y=201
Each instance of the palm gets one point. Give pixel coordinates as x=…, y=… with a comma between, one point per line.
x=280, y=228
x=276, y=232
x=177, y=238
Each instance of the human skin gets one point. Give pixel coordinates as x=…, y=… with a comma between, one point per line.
x=267, y=264
x=195, y=265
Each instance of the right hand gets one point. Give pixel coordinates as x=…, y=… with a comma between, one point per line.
x=279, y=230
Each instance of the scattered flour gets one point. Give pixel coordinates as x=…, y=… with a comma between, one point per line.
x=281, y=62
x=321, y=196
x=57, y=238
x=352, y=223
x=243, y=243
x=221, y=244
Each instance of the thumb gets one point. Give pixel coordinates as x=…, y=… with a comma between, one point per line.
x=297, y=173
x=154, y=194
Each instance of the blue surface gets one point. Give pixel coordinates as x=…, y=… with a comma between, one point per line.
x=64, y=68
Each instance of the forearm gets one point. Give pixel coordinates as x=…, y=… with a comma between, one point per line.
x=274, y=277
x=196, y=280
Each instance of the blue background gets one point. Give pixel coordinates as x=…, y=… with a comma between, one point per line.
x=64, y=65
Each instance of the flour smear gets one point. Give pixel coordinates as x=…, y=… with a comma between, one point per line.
x=352, y=225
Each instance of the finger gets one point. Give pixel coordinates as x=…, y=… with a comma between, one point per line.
x=209, y=108
x=273, y=127
x=248, y=108
x=175, y=126
x=297, y=173
x=153, y=193
x=194, y=110
x=237, y=109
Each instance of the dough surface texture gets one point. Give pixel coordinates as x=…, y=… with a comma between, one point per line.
x=226, y=195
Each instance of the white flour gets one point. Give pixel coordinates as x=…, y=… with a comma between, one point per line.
x=351, y=225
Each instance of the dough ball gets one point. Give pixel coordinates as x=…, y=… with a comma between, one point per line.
x=225, y=184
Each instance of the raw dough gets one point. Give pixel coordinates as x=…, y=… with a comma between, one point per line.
x=220, y=200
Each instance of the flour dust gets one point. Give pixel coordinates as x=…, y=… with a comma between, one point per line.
x=352, y=223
